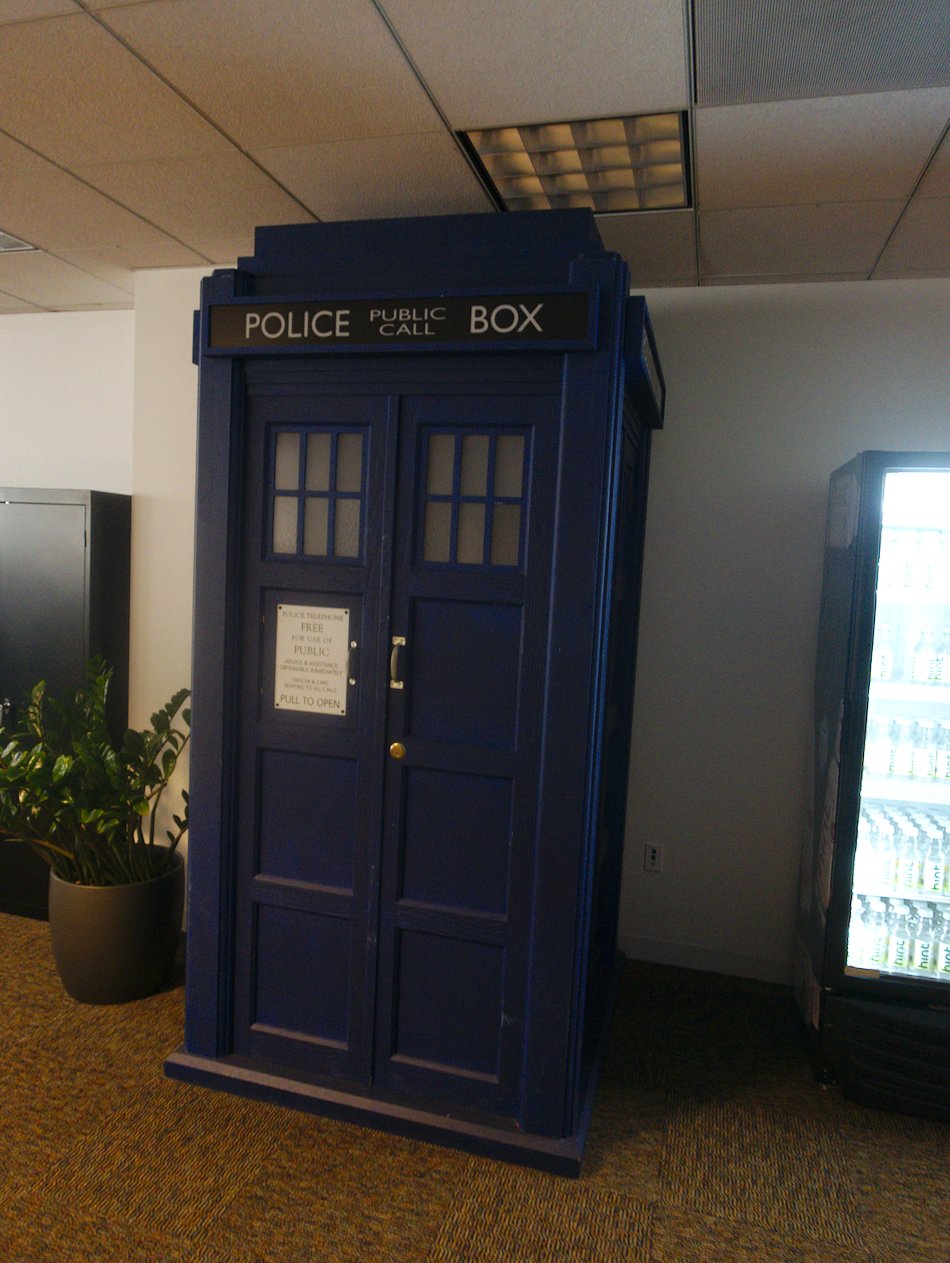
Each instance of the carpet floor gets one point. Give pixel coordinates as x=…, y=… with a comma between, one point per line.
x=710, y=1143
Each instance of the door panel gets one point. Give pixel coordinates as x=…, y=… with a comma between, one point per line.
x=465, y=672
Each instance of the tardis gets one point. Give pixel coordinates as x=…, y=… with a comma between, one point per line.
x=423, y=448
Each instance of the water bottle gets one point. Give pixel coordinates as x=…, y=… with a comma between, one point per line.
x=923, y=957
x=882, y=654
x=902, y=755
x=942, y=945
x=887, y=564
x=943, y=752
x=882, y=872
x=941, y=667
x=922, y=659
x=923, y=759
x=877, y=940
x=909, y=862
x=901, y=939
x=877, y=747
x=858, y=931
x=933, y=870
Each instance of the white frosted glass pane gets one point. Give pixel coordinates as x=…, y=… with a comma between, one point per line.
x=441, y=464
x=505, y=534
x=509, y=464
x=471, y=541
x=318, y=462
x=475, y=465
x=286, y=462
x=346, y=530
x=349, y=462
x=315, y=527
x=438, y=531
x=285, y=524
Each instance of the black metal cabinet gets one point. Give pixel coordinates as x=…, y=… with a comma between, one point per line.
x=64, y=597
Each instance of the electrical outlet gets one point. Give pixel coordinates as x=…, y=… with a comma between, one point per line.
x=652, y=858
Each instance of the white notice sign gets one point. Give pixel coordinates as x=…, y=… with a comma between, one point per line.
x=313, y=644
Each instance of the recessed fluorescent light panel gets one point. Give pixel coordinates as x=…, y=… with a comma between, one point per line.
x=604, y=164
x=8, y=244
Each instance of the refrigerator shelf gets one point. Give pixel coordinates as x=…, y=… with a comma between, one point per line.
x=904, y=791
x=899, y=691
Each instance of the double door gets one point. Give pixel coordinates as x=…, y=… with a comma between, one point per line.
x=397, y=546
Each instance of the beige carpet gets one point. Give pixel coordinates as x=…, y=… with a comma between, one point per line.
x=710, y=1142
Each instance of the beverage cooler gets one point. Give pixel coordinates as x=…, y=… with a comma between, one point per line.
x=874, y=904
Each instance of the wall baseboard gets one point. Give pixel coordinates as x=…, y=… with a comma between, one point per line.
x=707, y=960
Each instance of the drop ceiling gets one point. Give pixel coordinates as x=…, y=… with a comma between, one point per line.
x=159, y=133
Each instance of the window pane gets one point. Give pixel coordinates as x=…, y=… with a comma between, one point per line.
x=287, y=462
x=315, y=526
x=346, y=530
x=475, y=464
x=438, y=531
x=471, y=542
x=349, y=463
x=318, y=462
x=441, y=464
x=285, y=524
x=505, y=534
x=509, y=464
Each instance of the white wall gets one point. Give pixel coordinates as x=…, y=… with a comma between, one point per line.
x=163, y=504
x=66, y=400
x=770, y=388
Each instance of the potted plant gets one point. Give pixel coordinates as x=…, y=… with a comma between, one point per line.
x=89, y=807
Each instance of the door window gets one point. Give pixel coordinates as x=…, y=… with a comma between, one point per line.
x=317, y=494
x=473, y=500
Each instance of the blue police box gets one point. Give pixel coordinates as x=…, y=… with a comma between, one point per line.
x=423, y=449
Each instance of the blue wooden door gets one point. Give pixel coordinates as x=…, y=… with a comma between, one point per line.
x=474, y=525
x=386, y=842
x=309, y=778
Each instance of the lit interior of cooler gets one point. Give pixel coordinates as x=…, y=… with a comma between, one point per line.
x=900, y=915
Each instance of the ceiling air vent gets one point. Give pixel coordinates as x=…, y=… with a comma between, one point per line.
x=605, y=164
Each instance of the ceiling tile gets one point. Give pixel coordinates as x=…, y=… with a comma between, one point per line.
x=284, y=72
x=117, y=265
x=10, y=306
x=659, y=246
x=936, y=181
x=496, y=63
x=199, y=200
x=28, y=10
x=387, y=176
x=837, y=149
x=16, y=157
x=53, y=210
x=920, y=245
x=790, y=241
x=52, y=283
x=762, y=50
x=70, y=90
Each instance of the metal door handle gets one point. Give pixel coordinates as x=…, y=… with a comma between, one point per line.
x=395, y=675
x=397, y=750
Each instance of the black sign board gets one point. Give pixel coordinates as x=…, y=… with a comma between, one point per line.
x=561, y=319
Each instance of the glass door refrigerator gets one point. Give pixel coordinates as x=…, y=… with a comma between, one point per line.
x=874, y=897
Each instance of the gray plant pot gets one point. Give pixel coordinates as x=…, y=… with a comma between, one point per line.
x=116, y=943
